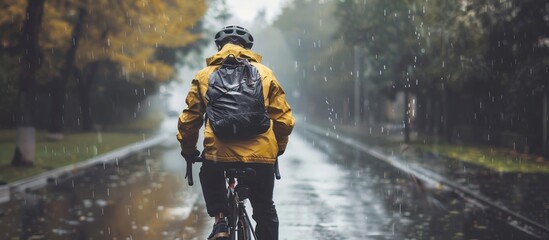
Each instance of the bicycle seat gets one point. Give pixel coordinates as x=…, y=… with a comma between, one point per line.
x=239, y=172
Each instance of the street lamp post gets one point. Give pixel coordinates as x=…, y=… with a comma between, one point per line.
x=357, y=85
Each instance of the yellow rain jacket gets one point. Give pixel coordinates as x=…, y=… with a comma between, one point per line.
x=262, y=148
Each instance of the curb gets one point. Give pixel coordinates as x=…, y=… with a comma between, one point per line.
x=40, y=180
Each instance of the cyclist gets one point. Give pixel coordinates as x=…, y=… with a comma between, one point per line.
x=258, y=152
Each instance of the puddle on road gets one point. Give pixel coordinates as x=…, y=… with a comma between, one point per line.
x=138, y=199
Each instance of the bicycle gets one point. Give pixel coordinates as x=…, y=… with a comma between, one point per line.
x=240, y=226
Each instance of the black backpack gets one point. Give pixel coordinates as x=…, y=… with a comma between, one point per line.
x=236, y=107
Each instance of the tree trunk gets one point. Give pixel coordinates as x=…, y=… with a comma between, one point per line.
x=30, y=62
x=84, y=90
x=57, y=108
x=346, y=112
x=59, y=86
x=421, y=113
x=448, y=127
x=544, y=127
x=429, y=113
x=406, y=116
x=357, y=94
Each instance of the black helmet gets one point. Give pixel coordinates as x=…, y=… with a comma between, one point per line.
x=234, y=33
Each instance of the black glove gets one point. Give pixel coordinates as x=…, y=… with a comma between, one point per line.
x=191, y=157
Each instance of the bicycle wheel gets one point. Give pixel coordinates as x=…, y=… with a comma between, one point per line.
x=243, y=229
x=233, y=216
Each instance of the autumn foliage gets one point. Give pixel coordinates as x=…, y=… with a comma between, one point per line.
x=116, y=50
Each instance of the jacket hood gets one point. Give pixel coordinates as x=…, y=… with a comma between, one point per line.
x=235, y=50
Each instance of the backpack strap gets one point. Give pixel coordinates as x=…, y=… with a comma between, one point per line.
x=230, y=60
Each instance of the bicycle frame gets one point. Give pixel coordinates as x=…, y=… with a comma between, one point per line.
x=240, y=226
x=239, y=221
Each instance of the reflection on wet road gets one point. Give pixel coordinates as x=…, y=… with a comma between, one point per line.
x=351, y=195
x=320, y=199
x=327, y=191
x=143, y=197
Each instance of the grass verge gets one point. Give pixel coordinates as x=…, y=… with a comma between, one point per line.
x=75, y=147
x=494, y=158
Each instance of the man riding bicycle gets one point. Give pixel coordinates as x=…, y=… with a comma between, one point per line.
x=258, y=151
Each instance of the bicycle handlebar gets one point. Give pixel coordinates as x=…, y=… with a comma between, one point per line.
x=276, y=170
x=189, y=172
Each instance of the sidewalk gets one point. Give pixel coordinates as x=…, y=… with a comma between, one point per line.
x=526, y=194
x=40, y=180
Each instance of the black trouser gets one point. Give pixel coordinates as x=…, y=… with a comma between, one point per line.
x=261, y=187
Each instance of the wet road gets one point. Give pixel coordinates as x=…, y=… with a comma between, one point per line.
x=146, y=197
x=327, y=191
x=321, y=199
x=140, y=198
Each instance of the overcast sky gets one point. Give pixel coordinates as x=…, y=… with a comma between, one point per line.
x=247, y=10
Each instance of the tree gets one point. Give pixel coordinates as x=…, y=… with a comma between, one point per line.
x=59, y=83
x=222, y=10
x=30, y=62
x=80, y=37
x=154, y=28
x=321, y=62
x=387, y=31
x=515, y=58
